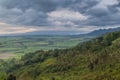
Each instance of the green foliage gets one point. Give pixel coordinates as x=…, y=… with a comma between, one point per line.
x=97, y=59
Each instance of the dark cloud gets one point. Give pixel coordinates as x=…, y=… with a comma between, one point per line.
x=41, y=5
x=35, y=12
x=107, y=15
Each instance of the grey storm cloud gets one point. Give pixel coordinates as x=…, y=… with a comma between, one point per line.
x=106, y=15
x=60, y=12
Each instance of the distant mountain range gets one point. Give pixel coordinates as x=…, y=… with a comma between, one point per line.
x=93, y=33
x=102, y=31
x=54, y=33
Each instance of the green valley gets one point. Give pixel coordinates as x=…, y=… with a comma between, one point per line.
x=17, y=46
x=97, y=59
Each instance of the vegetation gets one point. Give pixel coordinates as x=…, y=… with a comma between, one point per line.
x=97, y=59
x=17, y=46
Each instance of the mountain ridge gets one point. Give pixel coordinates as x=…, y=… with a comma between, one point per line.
x=102, y=31
x=64, y=33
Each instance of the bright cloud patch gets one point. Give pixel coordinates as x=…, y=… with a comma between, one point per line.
x=66, y=14
x=105, y=3
x=12, y=29
x=64, y=17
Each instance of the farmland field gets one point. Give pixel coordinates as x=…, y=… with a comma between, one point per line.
x=17, y=46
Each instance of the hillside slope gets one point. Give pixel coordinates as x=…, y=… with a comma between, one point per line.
x=98, y=59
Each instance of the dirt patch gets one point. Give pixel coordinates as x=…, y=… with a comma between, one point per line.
x=6, y=55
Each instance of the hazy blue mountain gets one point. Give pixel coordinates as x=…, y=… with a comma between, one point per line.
x=102, y=31
x=53, y=33
x=48, y=33
x=93, y=33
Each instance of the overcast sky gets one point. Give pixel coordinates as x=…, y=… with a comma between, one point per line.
x=21, y=16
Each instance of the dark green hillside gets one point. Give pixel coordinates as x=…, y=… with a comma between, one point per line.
x=98, y=59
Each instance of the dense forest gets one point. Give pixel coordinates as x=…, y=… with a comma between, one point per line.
x=97, y=59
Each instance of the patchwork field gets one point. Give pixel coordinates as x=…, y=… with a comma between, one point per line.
x=17, y=46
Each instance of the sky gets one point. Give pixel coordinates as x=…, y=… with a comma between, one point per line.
x=83, y=16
